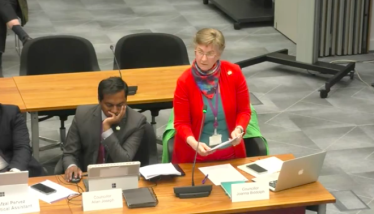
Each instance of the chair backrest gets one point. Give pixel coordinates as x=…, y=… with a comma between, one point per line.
x=146, y=50
x=58, y=54
x=147, y=152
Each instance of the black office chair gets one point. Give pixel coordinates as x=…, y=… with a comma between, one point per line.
x=147, y=152
x=254, y=147
x=53, y=55
x=145, y=50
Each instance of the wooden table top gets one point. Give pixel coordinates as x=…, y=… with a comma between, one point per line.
x=67, y=91
x=218, y=201
x=9, y=93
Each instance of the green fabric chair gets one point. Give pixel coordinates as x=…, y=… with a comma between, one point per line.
x=252, y=137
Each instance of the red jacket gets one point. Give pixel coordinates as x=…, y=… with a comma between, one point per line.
x=188, y=112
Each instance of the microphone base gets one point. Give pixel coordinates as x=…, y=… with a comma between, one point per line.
x=193, y=191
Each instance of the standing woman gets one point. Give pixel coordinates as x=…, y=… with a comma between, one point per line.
x=10, y=10
x=221, y=87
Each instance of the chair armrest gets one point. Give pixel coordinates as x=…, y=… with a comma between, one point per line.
x=255, y=147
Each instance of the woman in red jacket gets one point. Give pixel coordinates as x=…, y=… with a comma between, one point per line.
x=221, y=87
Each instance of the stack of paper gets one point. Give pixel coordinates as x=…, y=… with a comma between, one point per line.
x=272, y=165
x=222, y=173
x=155, y=170
x=61, y=192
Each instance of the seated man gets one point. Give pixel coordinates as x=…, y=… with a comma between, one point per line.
x=15, y=150
x=105, y=133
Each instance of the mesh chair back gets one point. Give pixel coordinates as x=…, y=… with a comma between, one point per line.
x=146, y=50
x=58, y=54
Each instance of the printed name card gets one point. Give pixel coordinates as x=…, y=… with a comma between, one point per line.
x=250, y=191
x=19, y=204
x=102, y=200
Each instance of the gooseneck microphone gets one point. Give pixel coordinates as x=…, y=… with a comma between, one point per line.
x=115, y=60
x=194, y=191
x=197, y=146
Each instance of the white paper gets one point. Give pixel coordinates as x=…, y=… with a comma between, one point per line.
x=61, y=192
x=223, y=144
x=155, y=170
x=222, y=173
x=3, y=163
x=267, y=178
x=272, y=165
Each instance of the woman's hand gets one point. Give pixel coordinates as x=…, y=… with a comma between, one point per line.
x=202, y=149
x=237, y=133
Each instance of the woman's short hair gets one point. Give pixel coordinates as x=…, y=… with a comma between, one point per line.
x=207, y=36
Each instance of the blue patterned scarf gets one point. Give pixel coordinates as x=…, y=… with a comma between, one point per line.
x=207, y=81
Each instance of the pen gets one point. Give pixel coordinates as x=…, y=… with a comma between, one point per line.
x=205, y=178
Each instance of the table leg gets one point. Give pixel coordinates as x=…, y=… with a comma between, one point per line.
x=35, y=134
x=321, y=209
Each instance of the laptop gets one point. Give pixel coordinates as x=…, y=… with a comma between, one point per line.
x=296, y=172
x=14, y=183
x=123, y=175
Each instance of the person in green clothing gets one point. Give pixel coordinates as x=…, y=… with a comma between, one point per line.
x=10, y=10
x=252, y=131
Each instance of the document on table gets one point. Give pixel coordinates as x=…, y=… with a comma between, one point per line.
x=155, y=170
x=61, y=192
x=272, y=165
x=222, y=173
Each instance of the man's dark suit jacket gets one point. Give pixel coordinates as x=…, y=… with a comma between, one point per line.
x=15, y=142
x=84, y=138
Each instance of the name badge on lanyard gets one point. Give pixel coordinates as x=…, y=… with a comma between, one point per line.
x=216, y=138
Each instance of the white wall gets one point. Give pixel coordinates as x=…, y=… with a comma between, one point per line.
x=371, y=42
x=285, y=18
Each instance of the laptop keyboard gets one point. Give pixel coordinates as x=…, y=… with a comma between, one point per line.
x=273, y=183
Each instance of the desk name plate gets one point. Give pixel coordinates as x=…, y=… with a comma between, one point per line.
x=250, y=191
x=102, y=200
x=19, y=204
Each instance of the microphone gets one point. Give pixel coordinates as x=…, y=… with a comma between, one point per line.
x=115, y=60
x=197, y=146
x=194, y=191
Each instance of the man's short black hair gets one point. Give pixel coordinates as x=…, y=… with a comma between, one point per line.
x=112, y=85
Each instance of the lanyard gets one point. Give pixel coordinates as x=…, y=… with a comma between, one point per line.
x=215, y=110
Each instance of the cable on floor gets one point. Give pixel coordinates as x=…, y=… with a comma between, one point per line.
x=345, y=61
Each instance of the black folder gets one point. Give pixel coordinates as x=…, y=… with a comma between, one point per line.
x=140, y=197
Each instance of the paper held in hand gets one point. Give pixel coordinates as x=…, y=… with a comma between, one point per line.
x=224, y=143
x=155, y=170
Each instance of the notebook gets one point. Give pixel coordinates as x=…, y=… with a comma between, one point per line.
x=227, y=186
x=140, y=197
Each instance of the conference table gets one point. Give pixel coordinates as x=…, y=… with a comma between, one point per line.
x=218, y=202
x=70, y=90
x=9, y=93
